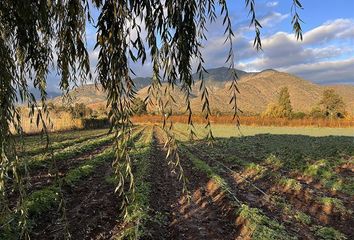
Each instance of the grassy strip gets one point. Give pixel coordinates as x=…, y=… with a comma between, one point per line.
x=138, y=211
x=260, y=226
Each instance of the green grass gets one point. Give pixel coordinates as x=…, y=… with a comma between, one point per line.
x=228, y=130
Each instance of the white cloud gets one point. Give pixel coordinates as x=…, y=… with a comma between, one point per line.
x=273, y=18
x=339, y=28
x=321, y=57
x=329, y=72
x=272, y=4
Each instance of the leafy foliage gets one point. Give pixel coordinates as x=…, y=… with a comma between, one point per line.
x=80, y=110
x=328, y=233
x=139, y=106
x=283, y=108
x=332, y=104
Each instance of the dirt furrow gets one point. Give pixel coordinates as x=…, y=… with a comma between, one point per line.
x=200, y=218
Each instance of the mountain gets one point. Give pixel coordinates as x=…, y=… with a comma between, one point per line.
x=257, y=90
x=141, y=82
x=221, y=74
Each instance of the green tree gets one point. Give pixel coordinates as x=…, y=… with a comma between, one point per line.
x=283, y=108
x=139, y=106
x=80, y=110
x=332, y=104
x=284, y=103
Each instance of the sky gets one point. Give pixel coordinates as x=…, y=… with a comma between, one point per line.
x=325, y=56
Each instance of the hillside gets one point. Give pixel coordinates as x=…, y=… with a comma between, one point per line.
x=257, y=90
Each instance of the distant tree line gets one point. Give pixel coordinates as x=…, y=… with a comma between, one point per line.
x=330, y=106
x=82, y=111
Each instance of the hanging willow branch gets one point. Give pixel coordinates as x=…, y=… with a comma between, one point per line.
x=37, y=35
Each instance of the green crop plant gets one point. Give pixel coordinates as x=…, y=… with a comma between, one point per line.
x=88, y=167
x=36, y=204
x=274, y=161
x=302, y=218
x=328, y=233
x=262, y=227
x=256, y=170
x=137, y=214
x=42, y=200
x=336, y=203
x=59, y=145
x=69, y=152
x=289, y=183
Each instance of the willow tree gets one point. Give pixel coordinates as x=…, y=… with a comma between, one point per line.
x=37, y=35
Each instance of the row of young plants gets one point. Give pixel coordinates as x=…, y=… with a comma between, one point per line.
x=304, y=158
x=137, y=214
x=259, y=226
x=42, y=201
x=42, y=160
x=272, y=169
x=60, y=144
x=256, y=172
x=39, y=141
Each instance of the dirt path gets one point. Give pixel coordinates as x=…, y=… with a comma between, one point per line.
x=201, y=218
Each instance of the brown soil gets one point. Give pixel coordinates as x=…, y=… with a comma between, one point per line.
x=92, y=209
x=41, y=177
x=205, y=216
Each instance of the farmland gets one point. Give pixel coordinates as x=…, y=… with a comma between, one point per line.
x=252, y=183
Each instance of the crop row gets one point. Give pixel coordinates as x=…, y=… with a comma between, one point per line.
x=41, y=201
x=259, y=224
x=60, y=144
x=138, y=211
x=39, y=141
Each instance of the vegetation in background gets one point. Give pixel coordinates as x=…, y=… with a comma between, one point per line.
x=139, y=107
x=283, y=108
x=80, y=110
x=332, y=105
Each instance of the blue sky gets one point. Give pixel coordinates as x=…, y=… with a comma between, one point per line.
x=325, y=56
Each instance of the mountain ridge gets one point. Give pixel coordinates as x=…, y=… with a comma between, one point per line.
x=257, y=90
